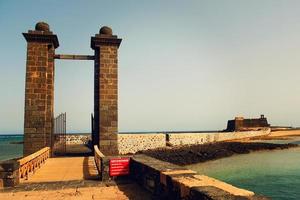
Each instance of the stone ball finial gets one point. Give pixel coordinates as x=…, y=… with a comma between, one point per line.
x=105, y=30
x=42, y=26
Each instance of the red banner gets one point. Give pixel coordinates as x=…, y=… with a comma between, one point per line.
x=119, y=166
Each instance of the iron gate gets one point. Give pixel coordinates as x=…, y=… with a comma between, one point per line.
x=59, y=132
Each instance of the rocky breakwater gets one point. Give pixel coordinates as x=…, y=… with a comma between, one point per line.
x=191, y=154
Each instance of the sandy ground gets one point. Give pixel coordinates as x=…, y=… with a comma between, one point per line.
x=128, y=191
x=276, y=135
x=285, y=133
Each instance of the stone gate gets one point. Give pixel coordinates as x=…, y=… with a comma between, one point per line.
x=39, y=88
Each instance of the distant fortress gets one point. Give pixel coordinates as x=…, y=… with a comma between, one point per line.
x=241, y=124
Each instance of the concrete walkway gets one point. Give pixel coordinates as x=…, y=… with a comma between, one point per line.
x=72, y=178
x=65, y=169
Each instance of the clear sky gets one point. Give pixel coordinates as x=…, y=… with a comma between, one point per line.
x=183, y=65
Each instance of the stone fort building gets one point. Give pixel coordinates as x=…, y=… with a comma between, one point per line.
x=242, y=124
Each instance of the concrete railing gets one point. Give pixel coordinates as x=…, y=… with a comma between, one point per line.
x=12, y=171
x=31, y=163
x=99, y=158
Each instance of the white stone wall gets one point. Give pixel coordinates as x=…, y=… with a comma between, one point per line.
x=201, y=138
x=77, y=139
x=72, y=139
x=132, y=143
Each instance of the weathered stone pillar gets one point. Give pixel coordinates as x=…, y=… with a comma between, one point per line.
x=106, y=47
x=39, y=88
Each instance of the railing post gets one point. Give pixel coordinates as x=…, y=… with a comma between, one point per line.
x=30, y=163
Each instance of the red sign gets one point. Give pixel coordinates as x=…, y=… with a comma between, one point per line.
x=119, y=166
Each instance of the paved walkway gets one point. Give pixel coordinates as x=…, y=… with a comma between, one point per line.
x=65, y=169
x=72, y=178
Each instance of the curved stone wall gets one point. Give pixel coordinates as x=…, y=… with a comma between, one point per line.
x=78, y=139
x=201, y=138
x=132, y=143
x=72, y=138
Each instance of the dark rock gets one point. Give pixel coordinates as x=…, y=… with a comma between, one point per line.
x=184, y=155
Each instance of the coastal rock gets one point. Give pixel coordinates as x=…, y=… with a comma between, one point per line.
x=191, y=154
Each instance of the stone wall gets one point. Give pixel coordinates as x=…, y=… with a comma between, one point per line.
x=132, y=143
x=72, y=139
x=201, y=138
x=78, y=139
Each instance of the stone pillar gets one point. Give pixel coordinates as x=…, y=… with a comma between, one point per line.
x=106, y=47
x=39, y=88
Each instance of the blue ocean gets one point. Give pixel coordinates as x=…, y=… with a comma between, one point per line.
x=8, y=148
x=275, y=174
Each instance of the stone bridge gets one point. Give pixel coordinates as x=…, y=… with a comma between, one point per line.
x=39, y=166
x=154, y=178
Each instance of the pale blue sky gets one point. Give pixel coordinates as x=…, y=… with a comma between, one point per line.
x=183, y=65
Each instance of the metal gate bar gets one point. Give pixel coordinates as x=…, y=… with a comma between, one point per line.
x=59, y=132
x=74, y=57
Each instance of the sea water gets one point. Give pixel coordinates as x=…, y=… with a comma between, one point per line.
x=275, y=174
x=9, y=150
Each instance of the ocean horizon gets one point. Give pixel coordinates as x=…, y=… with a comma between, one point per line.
x=9, y=147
